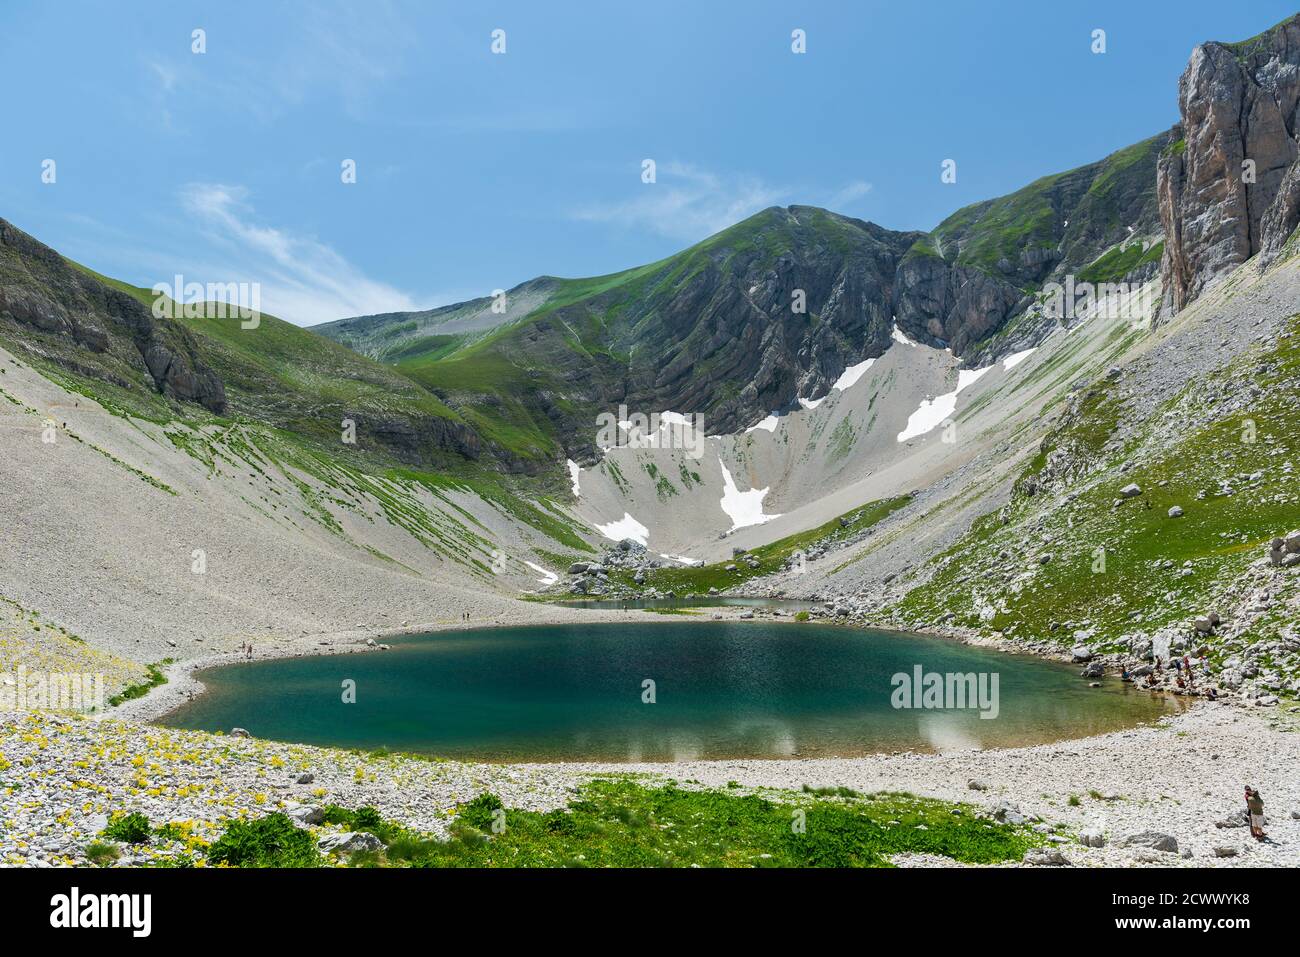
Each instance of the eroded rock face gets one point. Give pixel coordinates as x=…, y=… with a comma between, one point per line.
x=97, y=330
x=1239, y=107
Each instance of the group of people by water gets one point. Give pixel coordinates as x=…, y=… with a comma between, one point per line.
x=1184, y=674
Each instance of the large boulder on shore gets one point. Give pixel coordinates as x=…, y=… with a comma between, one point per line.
x=1155, y=840
x=349, y=842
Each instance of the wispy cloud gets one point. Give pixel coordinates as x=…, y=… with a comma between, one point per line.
x=302, y=279
x=686, y=202
x=338, y=52
x=689, y=203
x=848, y=195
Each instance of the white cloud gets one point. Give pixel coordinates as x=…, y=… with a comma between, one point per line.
x=302, y=280
x=849, y=194
x=689, y=203
x=165, y=74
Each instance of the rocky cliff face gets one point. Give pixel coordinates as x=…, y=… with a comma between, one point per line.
x=72, y=319
x=978, y=271
x=1228, y=186
x=739, y=318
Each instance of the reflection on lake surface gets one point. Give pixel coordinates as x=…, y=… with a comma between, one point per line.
x=720, y=690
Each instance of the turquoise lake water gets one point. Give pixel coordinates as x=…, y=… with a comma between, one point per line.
x=721, y=690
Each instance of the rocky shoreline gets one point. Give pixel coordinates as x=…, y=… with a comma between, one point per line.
x=1099, y=800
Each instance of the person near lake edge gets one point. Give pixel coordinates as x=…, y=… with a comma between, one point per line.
x=1255, y=807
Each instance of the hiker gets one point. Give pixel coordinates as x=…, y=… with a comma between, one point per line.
x=1212, y=694
x=1124, y=675
x=1255, y=807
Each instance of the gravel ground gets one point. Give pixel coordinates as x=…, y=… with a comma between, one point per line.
x=67, y=774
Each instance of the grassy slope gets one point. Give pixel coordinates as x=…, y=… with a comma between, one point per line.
x=279, y=367
x=289, y=390
x=1158, y=570
x=1089, y=198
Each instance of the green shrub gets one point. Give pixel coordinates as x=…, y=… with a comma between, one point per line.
x=479, y=812
x=271, y=841
x=130, y=828
x=362, y=819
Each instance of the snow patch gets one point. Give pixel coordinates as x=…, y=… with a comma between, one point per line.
x=933, y=411
x=682, y=559
x=811, y=403
x=625, y=527
x=574, y=471
x=743, y=508
x=852, y=374
x=1011, y=361
x=897, y=335
x=550, y=579
x=769, y=424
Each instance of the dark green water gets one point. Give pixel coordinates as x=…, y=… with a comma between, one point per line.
x=722, y=690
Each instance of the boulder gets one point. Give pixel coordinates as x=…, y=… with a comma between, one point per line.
x=1093, y=670
x=1237, y=817
x=350, y=842
x=1224, y=851
x=1176, y=511
x=1046, y=857
x=239, y=733
x=305, y=778
x=1092, y=837
x=1154, y=840
x=975, y=784
x=1132, y=490
x=1005, y=812
x=1080, y=653
x=305, y=815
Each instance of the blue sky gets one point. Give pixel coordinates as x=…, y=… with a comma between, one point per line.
x=476, y=171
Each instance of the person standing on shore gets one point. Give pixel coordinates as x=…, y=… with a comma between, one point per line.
x=1255, y=807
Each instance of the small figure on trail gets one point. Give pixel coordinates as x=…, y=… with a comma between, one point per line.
x=1255, y=807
